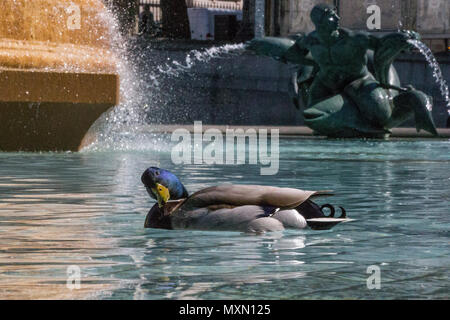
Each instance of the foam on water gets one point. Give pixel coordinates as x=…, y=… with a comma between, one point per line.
x=437, y=73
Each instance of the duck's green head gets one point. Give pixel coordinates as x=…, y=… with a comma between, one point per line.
x=163, y=185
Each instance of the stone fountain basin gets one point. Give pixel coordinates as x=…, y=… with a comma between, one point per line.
x=51, y=110
x=57, y=72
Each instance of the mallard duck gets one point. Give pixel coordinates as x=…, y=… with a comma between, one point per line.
x=245, y=208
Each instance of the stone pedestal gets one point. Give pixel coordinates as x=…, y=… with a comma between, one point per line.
x=51, y=111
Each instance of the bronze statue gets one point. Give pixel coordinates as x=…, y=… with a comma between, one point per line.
x=346, y=80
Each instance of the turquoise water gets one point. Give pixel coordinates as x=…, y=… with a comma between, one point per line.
x=87, y=209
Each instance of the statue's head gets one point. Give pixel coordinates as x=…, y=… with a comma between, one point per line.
x=325, y=17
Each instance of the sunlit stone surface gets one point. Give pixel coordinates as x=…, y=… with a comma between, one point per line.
x=57, y=72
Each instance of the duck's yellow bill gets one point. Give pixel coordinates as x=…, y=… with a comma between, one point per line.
x=162, y=194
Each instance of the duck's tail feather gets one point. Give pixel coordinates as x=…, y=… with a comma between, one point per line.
x=323, y=193
x=310, y=210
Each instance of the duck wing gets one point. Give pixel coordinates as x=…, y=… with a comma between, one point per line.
x=256, y=195
x=248, y=218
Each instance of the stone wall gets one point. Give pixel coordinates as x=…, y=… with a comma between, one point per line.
x=433, y=16
x=294, y=15
x=425, y=16
x=354, y=13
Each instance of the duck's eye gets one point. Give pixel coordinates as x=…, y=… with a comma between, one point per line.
x=156, y=173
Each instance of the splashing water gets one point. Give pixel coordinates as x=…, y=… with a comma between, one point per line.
x=121, y=128
x=114, y=126
x=437, y=73
x=199, y=56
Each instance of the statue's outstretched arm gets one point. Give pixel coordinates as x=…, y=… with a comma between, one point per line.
x=283, y=49
x=299, y=54
x=386, y=49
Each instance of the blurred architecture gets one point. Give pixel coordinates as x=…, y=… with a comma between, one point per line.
x=285, y=17
x=428, y=17
x=155, y=6
x=204, y=17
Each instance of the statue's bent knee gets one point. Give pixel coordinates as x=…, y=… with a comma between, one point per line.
x=372, y=100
